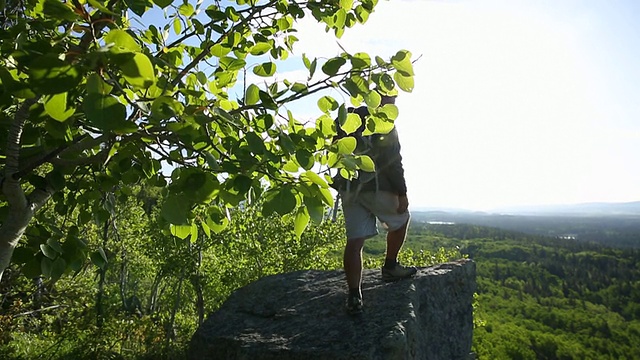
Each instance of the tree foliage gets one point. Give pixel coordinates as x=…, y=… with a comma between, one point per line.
x=549, y=298
x=96, y=97
x=151, y=290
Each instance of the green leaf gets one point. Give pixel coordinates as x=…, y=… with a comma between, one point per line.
x=202, y=77
x=206, y=228
x=265, y=69
x=312, y=68
x=139, y=7
x=314, y=208
x=196, y=185
x=346, y=4
x=181, y=231
x=390, y=111
x=95, y=85
x=220, y=50
x=58, y=10
x=291, y=166
x=176, y=210
x=305, y=159
x=122, y=42
x=356, y=85
x=100, y=6
x=282, y=202
x=316, y=179
x=256, y=143
x=385, y=82
x=404, y=82
x=186, y=9
x=46, y=265
x=99, y=258
x=48, y=251
x=377, y=125
x=138, y=71
x=326, y=126
x=260, y=48
x=401, y=61
x=231, y=63
x=300, y=221
x=360, y=61
x=327, y=103
x=33, y=268
x=306, y=61
x=352, y=123
x=252, y=96
x=372, y=99
x=264, y=122
x=58, y=268
x=107, y=113
x=299, y=88
x=332, y=66
x=194, y=232
x=163, y=3
x=362, y=14
x=50, y=75
x=326, y=196
x=365, y=163
x=56, y=180
x=56, y=107
x=217, y=220
x=242, y=183
x=165, y=107
x=346, y=145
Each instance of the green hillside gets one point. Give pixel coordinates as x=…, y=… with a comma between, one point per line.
x=546, y=298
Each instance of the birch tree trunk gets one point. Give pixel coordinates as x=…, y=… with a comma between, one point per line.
x=22, y=207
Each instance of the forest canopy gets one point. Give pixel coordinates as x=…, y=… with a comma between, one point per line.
x=95, y=102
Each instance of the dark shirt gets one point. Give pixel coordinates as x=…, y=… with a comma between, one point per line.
x=385, y=151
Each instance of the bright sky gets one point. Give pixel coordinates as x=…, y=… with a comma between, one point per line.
x=515, y=103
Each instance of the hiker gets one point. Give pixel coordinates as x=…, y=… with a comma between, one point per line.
x=381, y=195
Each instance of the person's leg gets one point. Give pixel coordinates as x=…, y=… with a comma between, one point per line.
x=395, y=240
x=386, y=209
x=360, y=224
x=352, y=261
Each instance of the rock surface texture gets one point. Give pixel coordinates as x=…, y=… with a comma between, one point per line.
x=301, y=316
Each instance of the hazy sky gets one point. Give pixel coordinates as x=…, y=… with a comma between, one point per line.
x=516, y=102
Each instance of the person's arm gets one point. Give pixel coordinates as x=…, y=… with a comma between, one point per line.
x=403, y=204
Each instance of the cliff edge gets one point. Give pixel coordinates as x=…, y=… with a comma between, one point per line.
x=301, y=316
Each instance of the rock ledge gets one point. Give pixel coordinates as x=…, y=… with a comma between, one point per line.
x=300, y=316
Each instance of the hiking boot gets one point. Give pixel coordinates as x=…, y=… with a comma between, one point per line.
x=354, y=305
x=398, y=272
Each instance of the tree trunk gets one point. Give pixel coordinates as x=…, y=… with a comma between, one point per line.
x=197, y=285
x=153, y=296
x=170, y=327
x=102, y=272
x=123, y=277
x=22, y=208
x=10, y=233
x=196, y=280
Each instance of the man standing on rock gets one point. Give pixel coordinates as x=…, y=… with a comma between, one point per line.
x=381, y=195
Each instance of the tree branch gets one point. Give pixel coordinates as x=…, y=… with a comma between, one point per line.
x=39, y=310
x=206, y=51
x=80, y=144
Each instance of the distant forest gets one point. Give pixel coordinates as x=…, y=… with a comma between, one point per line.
x=543, y=297
x=610, y=230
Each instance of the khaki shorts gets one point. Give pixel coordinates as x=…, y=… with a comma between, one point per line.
x=361, y=209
